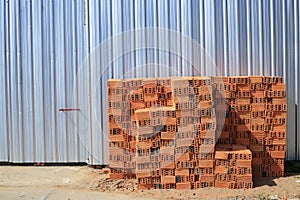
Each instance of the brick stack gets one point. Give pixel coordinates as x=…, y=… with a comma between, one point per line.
x=156, y=127
x=268, y=126
x=233, y=169
x=195, y=136
x=163, y=131
x=172, y=122
x=121, y=126
x=255, y=116
x=234, y=94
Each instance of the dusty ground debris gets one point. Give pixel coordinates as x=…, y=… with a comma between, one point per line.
x=113, y=185
x=19, y=182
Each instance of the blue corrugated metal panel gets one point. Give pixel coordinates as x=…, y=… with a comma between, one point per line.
x=44, y=45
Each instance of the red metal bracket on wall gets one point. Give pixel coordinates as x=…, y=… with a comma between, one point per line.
x=69, y=109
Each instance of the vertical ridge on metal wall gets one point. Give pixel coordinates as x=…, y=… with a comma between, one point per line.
x=4, y=136
x=297, y=64
x=290, y=81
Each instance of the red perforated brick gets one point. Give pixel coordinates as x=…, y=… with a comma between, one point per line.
x=168, y=179
x=183, y=186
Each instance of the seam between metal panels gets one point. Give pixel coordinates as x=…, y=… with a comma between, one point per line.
x=225, y=38
x=20, y=78
x=9, y=76
x=111, y=32
x=238, y=45
x=168, y=22
x=90, y=89
x=42, y=84
x=15, y=73
x=272, y=33
x=54, y=84
x=65, y=80
x=8, y=124
x=180, y=28
x=75, y=85
x=284, y=26
x=260, y=21
x=101, y=105
x=216, y=46
x=296, y=42
x=298, y=75
x=33, y=88
x=249, y=39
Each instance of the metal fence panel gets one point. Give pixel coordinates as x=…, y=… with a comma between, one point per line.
x=44, y=43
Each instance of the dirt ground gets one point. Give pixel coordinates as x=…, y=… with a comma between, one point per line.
x=19, y=182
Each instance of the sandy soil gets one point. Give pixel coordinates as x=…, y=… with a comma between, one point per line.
x=18, y=182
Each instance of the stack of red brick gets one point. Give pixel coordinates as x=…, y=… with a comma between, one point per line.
x=122, y=130
x=255, y=116
x=233, y=168
x=163, y=131
x=195, y=136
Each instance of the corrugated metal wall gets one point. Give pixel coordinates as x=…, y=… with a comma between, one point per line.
x=44, y=43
